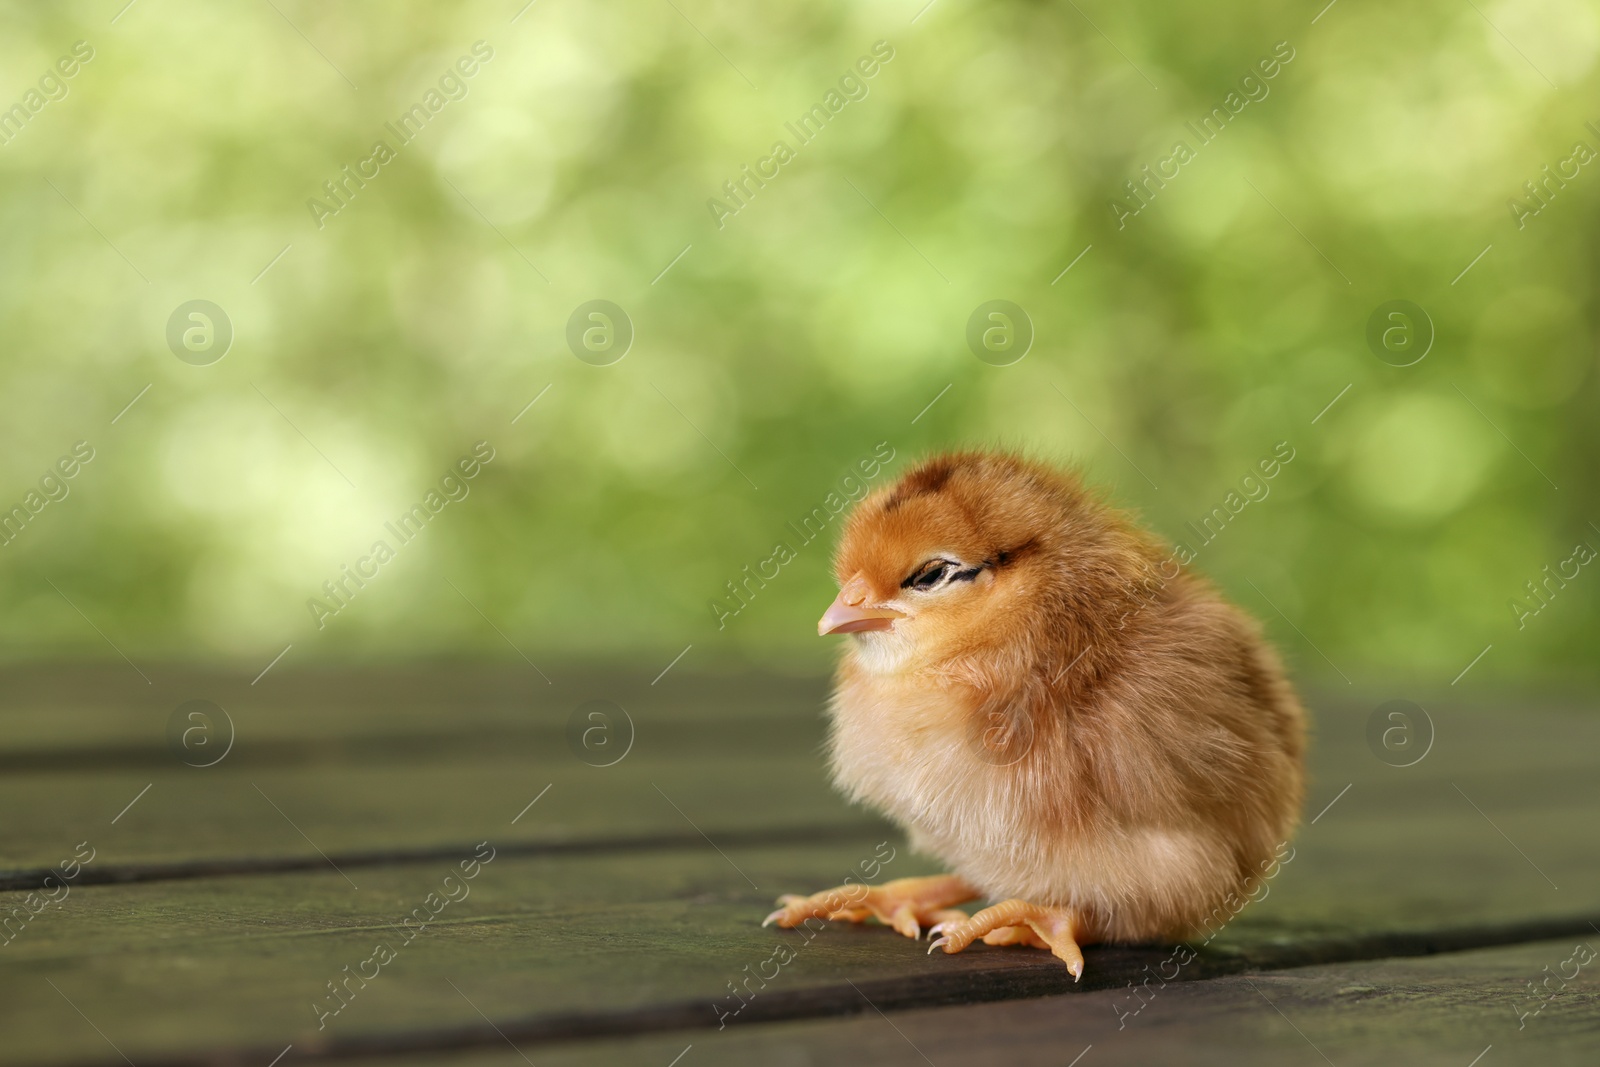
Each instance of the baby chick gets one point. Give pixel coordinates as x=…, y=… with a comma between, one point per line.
x=1051, y=706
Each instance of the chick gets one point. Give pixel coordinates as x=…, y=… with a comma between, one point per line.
x=1049, y=704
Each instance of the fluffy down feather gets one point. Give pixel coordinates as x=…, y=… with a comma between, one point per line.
x=1058, y=712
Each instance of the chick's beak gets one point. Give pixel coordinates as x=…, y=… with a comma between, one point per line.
x=850, y=613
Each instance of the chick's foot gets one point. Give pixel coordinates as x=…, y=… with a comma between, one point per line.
x=1014, y=935
x=905, y=904
x=1016, y=922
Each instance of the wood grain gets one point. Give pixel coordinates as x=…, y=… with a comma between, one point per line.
x=628, y=898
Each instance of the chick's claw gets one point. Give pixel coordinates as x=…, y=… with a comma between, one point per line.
x=946, y=917
x=1017, y=922
x=904, y=904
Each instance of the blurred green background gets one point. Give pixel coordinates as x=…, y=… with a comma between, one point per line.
x=774, y=351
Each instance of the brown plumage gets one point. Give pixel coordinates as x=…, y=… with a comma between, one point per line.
x=1053, y=707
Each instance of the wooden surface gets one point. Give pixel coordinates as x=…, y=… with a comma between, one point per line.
x=619, y=907
x=1438, y=1011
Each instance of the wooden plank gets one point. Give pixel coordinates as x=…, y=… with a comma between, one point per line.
x=1462, y=849
x=432, y=764
x=563, y=947
x=1427, y=833
x=197, y=964
x=731, y=770
x=304, y=812
x=108, y=709
x=1440, y=1011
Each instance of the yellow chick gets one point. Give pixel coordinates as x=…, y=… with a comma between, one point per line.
x=1049, y=704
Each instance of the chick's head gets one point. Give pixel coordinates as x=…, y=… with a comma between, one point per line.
x=967, y=552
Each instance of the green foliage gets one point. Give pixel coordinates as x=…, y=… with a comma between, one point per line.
x=801, y=330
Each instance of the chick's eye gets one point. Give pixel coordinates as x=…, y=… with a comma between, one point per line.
x=932, y=573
